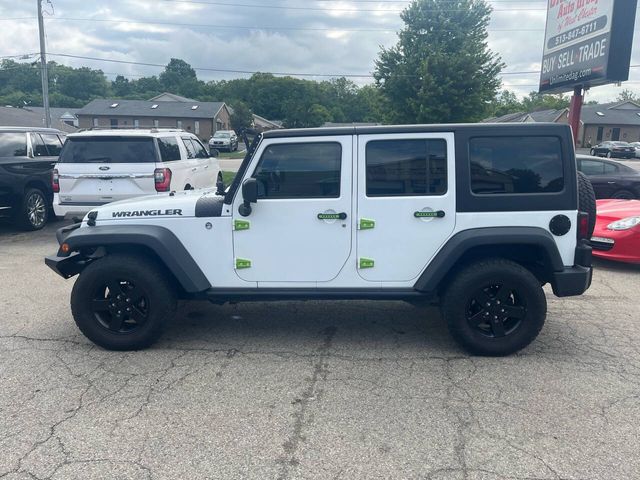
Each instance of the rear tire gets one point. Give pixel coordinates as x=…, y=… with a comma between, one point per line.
x=33, y=212
x=609, y=155
x=123, y=302
x=587, y=200
x=623, y=195
x=494, y=307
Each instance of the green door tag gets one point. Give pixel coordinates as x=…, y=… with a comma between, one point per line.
x=366, y=263
x=241, y=225
x=367, y=224
x=242, y=263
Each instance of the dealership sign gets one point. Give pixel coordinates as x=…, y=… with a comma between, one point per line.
x=587, y=43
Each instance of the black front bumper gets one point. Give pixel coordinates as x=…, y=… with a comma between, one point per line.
x=66, y=267
x=574, y=280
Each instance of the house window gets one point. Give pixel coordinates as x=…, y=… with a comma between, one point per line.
x=95, y=122
x=179, y=123
x=156, y=123
x=196, y=126
x=114, y=122
x=136, y=123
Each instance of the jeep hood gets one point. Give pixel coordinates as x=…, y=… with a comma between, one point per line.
x=178, y=204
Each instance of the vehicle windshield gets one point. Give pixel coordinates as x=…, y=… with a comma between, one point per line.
x=620, y=144
x=221, y=135
x=108, y=150
x=13, y=144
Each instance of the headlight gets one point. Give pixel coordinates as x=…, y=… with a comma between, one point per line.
x=624, y=224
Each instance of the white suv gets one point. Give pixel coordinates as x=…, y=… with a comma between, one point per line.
x=99, y=167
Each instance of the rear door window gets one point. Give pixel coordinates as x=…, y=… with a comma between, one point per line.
x=191, y=153
x=108, y=150
x=592, y=167
x=13, y=144
x=516, y=165
x=53, y=144
x=39, y=148
x=169, y=149
x=414, y=167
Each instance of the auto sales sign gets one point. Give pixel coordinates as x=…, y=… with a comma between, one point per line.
x=587, y=43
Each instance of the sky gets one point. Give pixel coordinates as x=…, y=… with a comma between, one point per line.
x=317, y=37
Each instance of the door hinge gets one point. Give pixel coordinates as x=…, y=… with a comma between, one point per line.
x=366, y=263
x=241, y=225
x=366, y=224
x=242, y=263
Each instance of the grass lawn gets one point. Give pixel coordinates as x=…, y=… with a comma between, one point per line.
x=228, y=177
x=232, y=154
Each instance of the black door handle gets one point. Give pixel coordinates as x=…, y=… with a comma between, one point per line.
x=332, y=216
x=438, y=214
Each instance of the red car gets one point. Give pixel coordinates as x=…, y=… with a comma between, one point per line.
x=617, y=232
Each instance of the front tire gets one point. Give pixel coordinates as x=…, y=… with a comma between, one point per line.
x=593, y=152
x=123, y=302
x=494, y=307
x=609, y=155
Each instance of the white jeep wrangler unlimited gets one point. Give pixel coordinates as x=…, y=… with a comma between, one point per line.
x=476, y=217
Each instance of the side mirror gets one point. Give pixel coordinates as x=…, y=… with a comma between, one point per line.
x=250, y=195
x=214, y=153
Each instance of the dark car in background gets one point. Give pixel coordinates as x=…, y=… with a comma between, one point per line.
x=27, y=157
x=609, y=178
x=614, y=149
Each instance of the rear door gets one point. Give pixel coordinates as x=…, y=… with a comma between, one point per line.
x=406, y=203
x=102, y=169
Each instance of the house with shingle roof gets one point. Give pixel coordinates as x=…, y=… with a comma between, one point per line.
x=609, y=121
x=200, y=118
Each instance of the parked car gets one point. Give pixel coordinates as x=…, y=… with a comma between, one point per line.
x=377, y=213
x=224, y=140
x=98, y=167
x=617, y=232
x=27, y=156
x=609, y=178
x=613, y=149
x=636, y=145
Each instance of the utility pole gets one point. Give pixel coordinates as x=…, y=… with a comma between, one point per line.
x=43, y=68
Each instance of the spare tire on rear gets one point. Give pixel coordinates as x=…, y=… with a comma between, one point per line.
x=587, y=200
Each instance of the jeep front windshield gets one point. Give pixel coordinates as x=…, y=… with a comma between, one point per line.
x=108, y=150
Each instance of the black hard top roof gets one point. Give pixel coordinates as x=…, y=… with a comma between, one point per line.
x=494, y=128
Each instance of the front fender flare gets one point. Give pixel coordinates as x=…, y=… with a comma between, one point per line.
x=161, y=241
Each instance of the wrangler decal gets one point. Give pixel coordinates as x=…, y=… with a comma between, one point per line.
x=148, y=213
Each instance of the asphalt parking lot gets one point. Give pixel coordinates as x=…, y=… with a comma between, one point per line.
x=337, y=390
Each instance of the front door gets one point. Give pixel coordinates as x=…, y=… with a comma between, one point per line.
x=299, y=231
x=615, y=134
x=406, y=203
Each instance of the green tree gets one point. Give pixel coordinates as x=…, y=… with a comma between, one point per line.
x=627, y=95
x=241, y=116
x=535, y=102
x=177, y=73
x=506, y=102
x=441, y=69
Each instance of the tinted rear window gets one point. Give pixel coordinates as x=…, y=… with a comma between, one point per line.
x=108, y=150
x=13, y=144
x=508, y=165
x=169, y=149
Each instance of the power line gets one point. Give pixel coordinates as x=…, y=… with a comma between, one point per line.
x=282, y=7
x=247, y=27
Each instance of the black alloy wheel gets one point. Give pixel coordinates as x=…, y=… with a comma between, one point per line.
x=120, y=306
x=495, y=310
